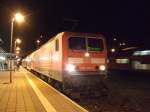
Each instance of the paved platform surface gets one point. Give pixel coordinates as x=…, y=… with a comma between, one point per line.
x=27, y=93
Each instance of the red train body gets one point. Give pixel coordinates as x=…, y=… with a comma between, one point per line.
x=73, y=59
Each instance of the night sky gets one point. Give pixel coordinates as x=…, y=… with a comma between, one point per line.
x=128, y=20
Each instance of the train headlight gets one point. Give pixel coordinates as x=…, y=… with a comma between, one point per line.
x=102, y=67
x=87, y=54
x=70, y=67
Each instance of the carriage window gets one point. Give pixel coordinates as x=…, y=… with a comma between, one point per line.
x=95, y=44
x=122, y=61
x=77, y=43
x=57, y=45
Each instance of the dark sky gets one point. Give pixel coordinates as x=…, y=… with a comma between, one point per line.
x=129, y=20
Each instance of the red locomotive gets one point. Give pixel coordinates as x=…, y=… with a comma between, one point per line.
x=71, y=59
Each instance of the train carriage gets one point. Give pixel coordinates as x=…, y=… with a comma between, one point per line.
x=71, y=59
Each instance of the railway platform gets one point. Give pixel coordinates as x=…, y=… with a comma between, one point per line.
x=27, y=93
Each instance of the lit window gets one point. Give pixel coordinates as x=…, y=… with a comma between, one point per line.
x=122, y=61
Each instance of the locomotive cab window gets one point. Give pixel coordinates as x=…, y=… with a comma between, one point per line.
x=84, y=43
x=57, y=45
x=95, y=44
x=77, y=43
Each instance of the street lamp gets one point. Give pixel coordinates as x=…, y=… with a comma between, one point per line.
x=18, y=41
x=17, y=52
x=38, y=43
x=18, y=49
x=113, y=50
x=18, y=17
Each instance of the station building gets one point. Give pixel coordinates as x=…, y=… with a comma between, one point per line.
x=5, y=59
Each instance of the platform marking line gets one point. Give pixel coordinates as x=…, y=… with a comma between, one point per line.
x=48, y=107
x=84, y=110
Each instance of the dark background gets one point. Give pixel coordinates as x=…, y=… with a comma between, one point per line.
x=127, y=20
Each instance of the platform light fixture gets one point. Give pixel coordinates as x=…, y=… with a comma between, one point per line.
x=18, y=17
x=113, y=50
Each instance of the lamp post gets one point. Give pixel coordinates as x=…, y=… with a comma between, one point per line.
x=18, y=18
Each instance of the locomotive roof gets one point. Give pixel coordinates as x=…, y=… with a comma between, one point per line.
x=66, y=32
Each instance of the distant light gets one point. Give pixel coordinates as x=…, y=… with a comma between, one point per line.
x=136, y=53
x=146, y=52
x=2, y=58
x=17, y=52
x=38, y=41
x=18, y=41
x=115, y=39
x=122, y=61
x=141, y=53
x=19, y=17
x=18, y=49
x=113, y=50
x=122, y=43
x=87, y=54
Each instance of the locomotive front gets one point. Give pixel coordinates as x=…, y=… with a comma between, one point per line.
x=86, y=59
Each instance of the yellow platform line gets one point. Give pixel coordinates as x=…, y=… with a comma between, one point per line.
x=83, y=109
x=48, y=107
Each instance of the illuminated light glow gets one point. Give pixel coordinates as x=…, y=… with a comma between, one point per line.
x=18, y=49
x=19, y=17
x=146, y=52
x=38, y=41
x=115, y=39
x=136, y=53
x=75, y=60
x=18, y=41
x=141, y=53
x=102, y=67
x=2, y=58
x=87, y=54
x=17, y=52
x=97, y=60
x=113, y=50
x=122, y=61
x=70, y=67
x=122, y=44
